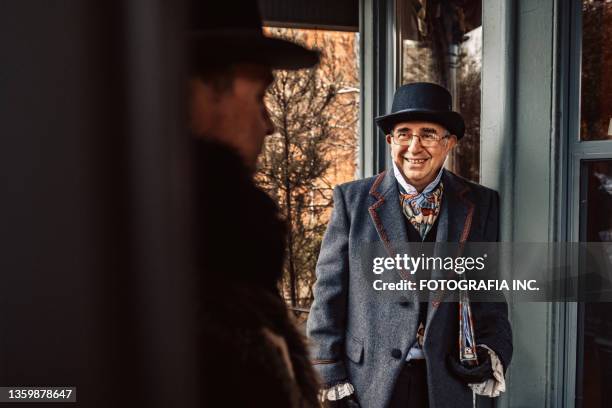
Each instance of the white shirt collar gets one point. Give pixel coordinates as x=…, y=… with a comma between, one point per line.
x=409, y=188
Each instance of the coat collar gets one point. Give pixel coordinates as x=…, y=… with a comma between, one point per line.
x=386, y=212
x=456, y=214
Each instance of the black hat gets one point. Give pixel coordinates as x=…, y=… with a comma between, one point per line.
x=423, y=101
x=229, y=31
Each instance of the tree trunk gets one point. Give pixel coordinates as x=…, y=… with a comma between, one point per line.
x=291, y=266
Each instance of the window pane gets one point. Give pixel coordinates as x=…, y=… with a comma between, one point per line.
x=441, y=42
x=596, y=77
x=595, y=348
x=597, y=191
x=315, y=113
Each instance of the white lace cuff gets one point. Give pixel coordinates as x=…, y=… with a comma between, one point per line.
x=495, y=386
x=336, y=392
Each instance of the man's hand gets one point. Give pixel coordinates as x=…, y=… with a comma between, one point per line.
x=346, y=402
x=472, y=375
x=341, y=395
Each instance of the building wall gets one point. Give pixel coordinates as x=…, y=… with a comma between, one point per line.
x=519, y=146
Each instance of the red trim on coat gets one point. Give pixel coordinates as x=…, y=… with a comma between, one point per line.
x=372, y=210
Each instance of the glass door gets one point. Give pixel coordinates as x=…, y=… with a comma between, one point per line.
x=590, y=150
x=594, y=363
x=441, y=42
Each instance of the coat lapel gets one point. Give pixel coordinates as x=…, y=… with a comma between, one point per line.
x=457, y=210
x=386, y=212
x=454, y=225
x=390, y=224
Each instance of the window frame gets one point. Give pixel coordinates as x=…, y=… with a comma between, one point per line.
x=577, y=151
x=378, y=80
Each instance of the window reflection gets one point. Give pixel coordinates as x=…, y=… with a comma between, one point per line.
x=595, y=348
x=441, y=42
x=596, y=76
x=598, y=195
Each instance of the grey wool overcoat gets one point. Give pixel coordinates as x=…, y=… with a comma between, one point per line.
x=365, y=339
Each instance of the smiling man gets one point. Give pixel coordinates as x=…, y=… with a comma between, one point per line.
x=380, y=352
x=421, y=161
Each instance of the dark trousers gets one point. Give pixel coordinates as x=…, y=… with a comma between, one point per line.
x=411, y=386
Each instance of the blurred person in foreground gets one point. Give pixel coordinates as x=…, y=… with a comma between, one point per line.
x=252, y=353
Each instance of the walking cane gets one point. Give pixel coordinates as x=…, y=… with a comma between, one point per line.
x=467, y=341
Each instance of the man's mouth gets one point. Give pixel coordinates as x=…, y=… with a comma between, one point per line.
x=415, y=161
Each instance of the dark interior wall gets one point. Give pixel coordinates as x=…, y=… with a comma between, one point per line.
x=92, y=282
x=62, y=157
x=324, y=14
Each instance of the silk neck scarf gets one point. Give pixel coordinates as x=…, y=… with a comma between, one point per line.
x=421, y=209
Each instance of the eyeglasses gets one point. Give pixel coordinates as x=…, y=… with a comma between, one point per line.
x=427, y=139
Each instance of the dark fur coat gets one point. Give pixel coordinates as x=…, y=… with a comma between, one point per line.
x=240, y=248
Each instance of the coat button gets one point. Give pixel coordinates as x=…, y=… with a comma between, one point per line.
x=396, y=353
x=404, y=302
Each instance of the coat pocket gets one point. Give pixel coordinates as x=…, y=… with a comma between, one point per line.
x=354, y=349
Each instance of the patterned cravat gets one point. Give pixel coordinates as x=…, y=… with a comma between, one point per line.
x=422, y=209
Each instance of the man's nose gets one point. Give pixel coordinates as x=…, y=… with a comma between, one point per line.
x=415, y=144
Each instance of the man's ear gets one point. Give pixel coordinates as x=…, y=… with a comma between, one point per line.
x=452, y=142
x=388, y=138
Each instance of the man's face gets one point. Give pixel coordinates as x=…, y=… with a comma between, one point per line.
x=420, y=164
x=235, y=116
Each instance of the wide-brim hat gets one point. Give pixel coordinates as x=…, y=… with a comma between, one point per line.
x=228, y=32
x=423, y=101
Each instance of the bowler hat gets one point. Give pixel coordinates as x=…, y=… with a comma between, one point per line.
x=230, y=31
x=422, y=101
